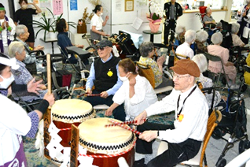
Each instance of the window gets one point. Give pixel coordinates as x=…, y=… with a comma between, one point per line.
x=194, y=4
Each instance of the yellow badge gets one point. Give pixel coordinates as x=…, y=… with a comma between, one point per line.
x=180, y=117
x=110, y=73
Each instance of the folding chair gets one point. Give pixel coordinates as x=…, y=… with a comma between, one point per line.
x=214, y=75
x=213, y=121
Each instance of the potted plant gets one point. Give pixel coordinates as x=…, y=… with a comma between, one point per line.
x=48, y=24
x=153, y=18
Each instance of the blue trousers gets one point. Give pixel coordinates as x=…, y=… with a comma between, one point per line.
x=118, y=113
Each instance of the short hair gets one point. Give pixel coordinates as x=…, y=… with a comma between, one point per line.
x=128, y=65
x=97, y=8
x=190, y=36
x=201, y=61
x=180, y=29
x=20, y=1
x=217, y=38
x=207, y=10
x=15, y=47
x=20, y=29
x=235, y=27
x=61, y=25
x=201, y=36
x=145, y=48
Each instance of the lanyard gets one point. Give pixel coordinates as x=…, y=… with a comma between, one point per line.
x=184, y=100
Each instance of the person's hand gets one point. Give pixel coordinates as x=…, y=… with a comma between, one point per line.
x=239, y=12
x=89, y=91
x=42, y=87
x=104, y=34
x=229, y=63
x=106, y=18
x=39, y=47
x=109, y=111
x=132, y=82
x=161, y=60
x=244, y=14
x=148, y=135
x=80, y=46
x=50, y=98
x=140, y=119
x=3, y=24
x=34, y=87
x=104, y=94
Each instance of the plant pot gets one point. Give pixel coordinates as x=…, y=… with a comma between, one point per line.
x=82, y=28
x=154, y=27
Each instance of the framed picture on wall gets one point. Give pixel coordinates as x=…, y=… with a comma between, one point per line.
x=129, y=5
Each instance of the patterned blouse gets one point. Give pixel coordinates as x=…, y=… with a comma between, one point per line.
x=155, y=68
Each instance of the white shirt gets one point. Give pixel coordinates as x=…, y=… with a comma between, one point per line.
x=144, y=96
x=97, y=22
x=13, y=121
x=4, y=32
x=185, y=50
x=195, y=115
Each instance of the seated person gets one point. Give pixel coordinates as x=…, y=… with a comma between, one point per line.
x=104, y=75
x=136, y=92
x=208, y=19
x=236, y=39
x=223, y=53
x=185, y=136
x=201, y=39
x=22, y=75
x=247, y=74
x=147, y=52
x=180, y=31
x=206, y=82
x=63, y=40
x=22, y=35
x=184, y=49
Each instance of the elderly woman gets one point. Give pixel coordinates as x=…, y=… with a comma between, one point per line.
x=180, y=31
x=22, y=75
x=14, y=121
x=147, y=52
x=184, y=49
x=208, y=20
x=136, y=92
x=223, y=53
x=236, y=39
x=201, y=39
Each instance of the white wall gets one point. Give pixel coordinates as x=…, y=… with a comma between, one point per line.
x=6, y=6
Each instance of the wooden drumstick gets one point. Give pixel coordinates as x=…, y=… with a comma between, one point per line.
x=49, y=74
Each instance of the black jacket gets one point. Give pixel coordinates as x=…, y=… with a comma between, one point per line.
x=178, y=10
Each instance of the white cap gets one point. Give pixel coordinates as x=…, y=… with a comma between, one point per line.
x=9, y=62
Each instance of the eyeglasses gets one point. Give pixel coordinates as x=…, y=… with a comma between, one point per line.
x=101, y=48
x=180, y=76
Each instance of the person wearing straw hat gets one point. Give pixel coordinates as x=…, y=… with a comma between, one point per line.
x=185, y=136
x=14, y=121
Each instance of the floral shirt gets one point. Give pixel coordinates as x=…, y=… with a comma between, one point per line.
x=155, y=68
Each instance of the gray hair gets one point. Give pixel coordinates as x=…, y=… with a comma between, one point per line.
x=201, y=62
x=207, y=10
x=235, y=28
x=20, y=29
x=217, y=38
x=180, y=29
x=145, y=48
x=15, y=47
x=201, y=36
x=190, y=36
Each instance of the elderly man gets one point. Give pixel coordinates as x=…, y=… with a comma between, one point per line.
x=7, y=30
x=184, y=138
x=184, y=49
x=104, y=76
x=208, y=19
x=30, y=60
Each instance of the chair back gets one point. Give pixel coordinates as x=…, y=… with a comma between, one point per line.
x=147, y=72
x=179, y=57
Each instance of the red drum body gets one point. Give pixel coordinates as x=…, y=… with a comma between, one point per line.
x=106, y=144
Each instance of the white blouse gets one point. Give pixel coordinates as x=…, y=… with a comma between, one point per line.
x=97, y=22
x=144, y=96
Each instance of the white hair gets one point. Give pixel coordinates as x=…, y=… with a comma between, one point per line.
x=207, y=10
x=201, y=61
x=180, y=29
x=20, y=29
x=217, y=38
x=235, y=28
x=201, y=36
x=190, y=36
x=15, y=47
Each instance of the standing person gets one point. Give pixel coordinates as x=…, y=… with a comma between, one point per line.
x=136, y=91
x=7, y=30
x=173, y=11
x=14, y=121
x=185, y=136
x=243, y=20
x=24, y=16
x=104, y=75
x=97, y=24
